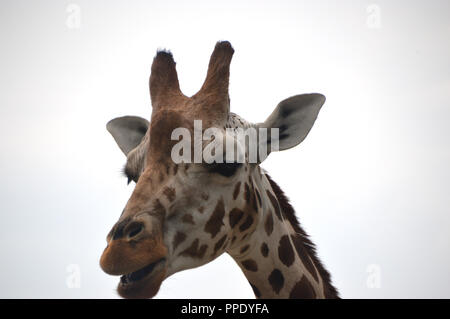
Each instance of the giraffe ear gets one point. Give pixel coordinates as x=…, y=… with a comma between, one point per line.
x=294, y=118
x=127, y=131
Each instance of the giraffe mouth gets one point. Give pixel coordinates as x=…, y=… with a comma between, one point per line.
x=143, y=283
x=140, y=274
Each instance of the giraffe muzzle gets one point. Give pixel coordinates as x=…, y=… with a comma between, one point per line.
x=139, y=257
x=134, y=244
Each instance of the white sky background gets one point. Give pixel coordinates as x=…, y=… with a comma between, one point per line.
x=370, y=183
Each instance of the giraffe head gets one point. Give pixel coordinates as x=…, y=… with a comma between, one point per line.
x=184, y=215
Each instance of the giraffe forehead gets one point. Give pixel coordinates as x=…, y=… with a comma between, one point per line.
x=162, y=125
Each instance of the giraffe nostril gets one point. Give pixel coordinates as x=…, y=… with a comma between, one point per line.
x=134, y=230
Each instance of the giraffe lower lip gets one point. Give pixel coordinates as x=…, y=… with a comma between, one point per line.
x=140, y=274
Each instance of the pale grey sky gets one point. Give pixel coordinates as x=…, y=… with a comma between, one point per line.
x=371, y=181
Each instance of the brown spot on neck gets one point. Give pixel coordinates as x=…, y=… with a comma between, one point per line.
x=268, y=225
x=264, y=250
x=285, y=251
x=303, y=290
x=247, y=193
x=194, y=250
x=258, y=196
x=219, y=244
x=215, y=222
x=289, y=213
x=275, y=204
x=254, y=202
x=276, y=280
x=178, y=239
x=188, y=219
x=302, y=253
x=237, y=188
x=255, y=291
x=250, y=265
x=169, y=192
x=246, y=224
x=235, y=216
x=244, y=249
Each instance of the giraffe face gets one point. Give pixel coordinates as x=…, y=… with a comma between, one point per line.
x=183, y=215
x=170, y=223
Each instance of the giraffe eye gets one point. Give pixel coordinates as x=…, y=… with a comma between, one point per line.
x=129, y=175
x=224, y=169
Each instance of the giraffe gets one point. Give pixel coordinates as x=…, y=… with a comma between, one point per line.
x=184, y=215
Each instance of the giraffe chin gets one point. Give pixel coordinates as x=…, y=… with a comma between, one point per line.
x=143, y=283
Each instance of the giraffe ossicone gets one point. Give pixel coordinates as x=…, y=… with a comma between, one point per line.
x=184, y=214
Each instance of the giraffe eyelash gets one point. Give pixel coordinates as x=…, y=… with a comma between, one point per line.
x=224, y=169
x=126, y=173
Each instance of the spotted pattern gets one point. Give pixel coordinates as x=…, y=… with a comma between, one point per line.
x=244, y=249
x=247, y=192
x=264, y=250
x=178, y=239
x=256, y=291
x=237, y=188
x=276, y=280
x=275, y=204
x=268, y=225
x=250, y=265
x=188, y=219
x=303, y=290
x=170, y=193
x=306, y=260
x=246, y=224
x=285, y=251
x=215, y=222
x=205, y=196
x=235, y=216
x=258, y=196
x=219, y=244
x=194, y=251
x=158, y=208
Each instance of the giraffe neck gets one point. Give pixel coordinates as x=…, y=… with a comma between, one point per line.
x=278, y=259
